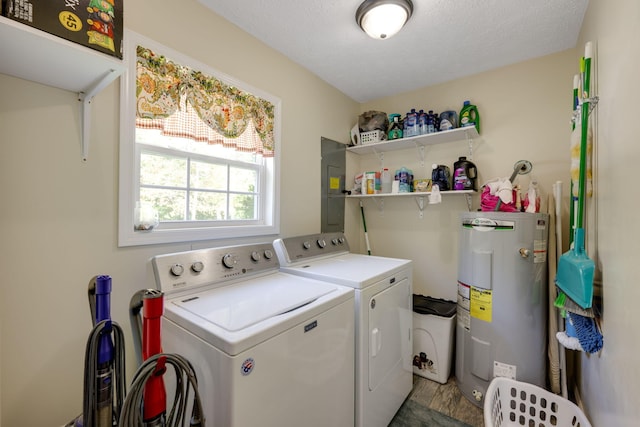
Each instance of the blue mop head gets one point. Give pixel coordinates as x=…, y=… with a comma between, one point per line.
x=588, y=334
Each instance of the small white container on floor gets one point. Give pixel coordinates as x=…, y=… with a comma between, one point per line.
x=433, y=330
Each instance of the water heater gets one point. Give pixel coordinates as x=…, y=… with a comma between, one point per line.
x=502, y=300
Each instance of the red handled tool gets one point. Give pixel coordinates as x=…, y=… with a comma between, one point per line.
x=155, y=395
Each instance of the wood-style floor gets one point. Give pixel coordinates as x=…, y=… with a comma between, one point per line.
x=446, y=399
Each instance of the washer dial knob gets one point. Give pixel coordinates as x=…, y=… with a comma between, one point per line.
x=334, y=241
x=229, y=261
x=268, y=254
x=306, y=245
x=321, y=243
x=197, y=266
x=255, y=256
x=177, y=269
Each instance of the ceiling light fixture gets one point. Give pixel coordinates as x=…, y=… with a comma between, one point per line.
x=382, y=19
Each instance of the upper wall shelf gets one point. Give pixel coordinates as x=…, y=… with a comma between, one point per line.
x=35, y=55
x=458, y=134
x=32, y=54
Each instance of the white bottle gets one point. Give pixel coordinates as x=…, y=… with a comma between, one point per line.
x=385, y=179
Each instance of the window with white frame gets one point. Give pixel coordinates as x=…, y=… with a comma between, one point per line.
x=198, y=151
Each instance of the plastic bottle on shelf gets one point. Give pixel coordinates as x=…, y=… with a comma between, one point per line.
x=385, y=178
x=411, y=123
x=441, y=176
x=448, y=120
x=464, y=175
x=431, y=122
x=404, y=177
x=422, y=122
x=395, y=127
x=469, y=115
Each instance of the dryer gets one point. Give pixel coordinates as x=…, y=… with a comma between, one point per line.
x=383, y=313
x=269, y=348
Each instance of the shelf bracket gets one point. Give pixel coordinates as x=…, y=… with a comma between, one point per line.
x=420, y=203
x=86, y=98
x=469, y=200
x=421, y=150
x=380, y=204
x=470, y=143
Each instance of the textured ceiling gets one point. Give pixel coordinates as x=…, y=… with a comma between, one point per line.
x=444, y=39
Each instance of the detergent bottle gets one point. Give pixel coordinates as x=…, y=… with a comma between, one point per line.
x=469, y=115
x=448, y=120
x=395, y=127
x=441, y=176
x=464, y=175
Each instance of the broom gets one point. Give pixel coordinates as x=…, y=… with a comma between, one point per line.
x=575, y=268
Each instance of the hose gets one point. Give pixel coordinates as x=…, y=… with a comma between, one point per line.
x=132, y=415
x=92, y=383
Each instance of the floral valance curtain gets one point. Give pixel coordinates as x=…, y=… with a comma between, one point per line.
x=168, y=93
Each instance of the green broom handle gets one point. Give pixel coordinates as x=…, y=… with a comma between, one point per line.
x=572, y=198
x=585, y=64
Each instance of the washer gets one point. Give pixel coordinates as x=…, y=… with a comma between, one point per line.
x=269, y=348
x=383, y=310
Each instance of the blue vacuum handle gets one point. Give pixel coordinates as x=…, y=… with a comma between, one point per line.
x=103, y=312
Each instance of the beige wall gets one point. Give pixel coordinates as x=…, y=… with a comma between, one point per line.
x=525, y=111
x=609, y=380
x=58, y=220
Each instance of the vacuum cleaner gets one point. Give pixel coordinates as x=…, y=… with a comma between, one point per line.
x=146, y=403
x=104, y=368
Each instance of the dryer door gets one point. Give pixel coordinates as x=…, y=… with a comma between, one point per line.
x=389, y=313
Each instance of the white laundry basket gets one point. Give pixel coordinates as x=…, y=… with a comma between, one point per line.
x=511, y=403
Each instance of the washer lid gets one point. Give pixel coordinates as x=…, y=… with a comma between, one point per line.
x=244, y=304
x=354, y=270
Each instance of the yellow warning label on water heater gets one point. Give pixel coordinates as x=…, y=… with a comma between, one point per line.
x=481, y=301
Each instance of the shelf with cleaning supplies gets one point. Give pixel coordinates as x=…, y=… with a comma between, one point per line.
x=418, y=196
x=418, y=142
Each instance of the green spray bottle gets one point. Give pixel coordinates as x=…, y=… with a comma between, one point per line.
x=469, y=116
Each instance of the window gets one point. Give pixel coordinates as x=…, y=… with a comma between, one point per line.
x=198, y=151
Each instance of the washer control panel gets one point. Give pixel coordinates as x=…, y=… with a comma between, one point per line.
x=294, y=249
x=191, y=269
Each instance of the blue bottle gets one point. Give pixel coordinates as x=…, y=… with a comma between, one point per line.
x=422, y=122
x=411, y=123
x=404, y=178
x=431, y=122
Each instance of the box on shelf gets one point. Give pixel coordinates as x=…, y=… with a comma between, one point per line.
x=93, y=23
x=421, y=185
